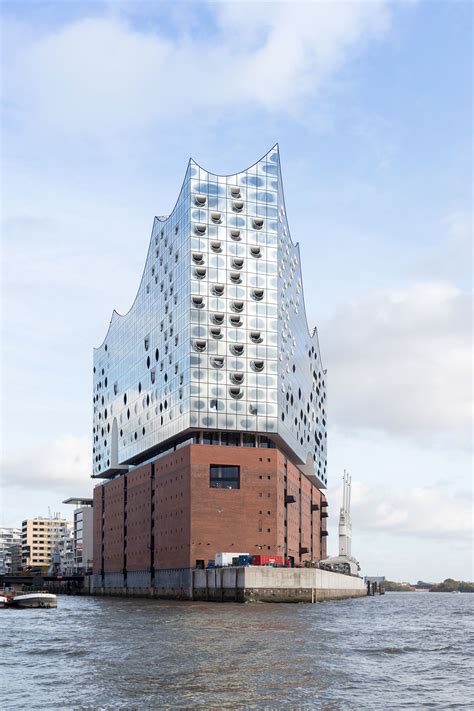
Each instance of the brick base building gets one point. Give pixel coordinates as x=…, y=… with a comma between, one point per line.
x=181, y=509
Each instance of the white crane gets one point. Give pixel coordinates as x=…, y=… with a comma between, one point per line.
x=344, y=562
x=345, y=525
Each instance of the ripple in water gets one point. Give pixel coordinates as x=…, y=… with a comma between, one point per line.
x=399, y=651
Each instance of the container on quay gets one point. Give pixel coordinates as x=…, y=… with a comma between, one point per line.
x=223, y=559
x=275, y=560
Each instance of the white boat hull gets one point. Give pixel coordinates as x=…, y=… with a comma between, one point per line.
x=35, y=600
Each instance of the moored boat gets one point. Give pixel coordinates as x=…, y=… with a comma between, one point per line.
x=35, y=599
x=3, y=601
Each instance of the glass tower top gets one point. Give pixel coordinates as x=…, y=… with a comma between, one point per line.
x=217, y=337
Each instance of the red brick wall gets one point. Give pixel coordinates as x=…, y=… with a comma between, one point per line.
x=293, y=511
x=97, y=529
x=242, y=520
x=139, y=518
x=306, y=516
x=172, y=510
x=281, y=472
x=324, y=527
x=113, y=525
x=193, y=521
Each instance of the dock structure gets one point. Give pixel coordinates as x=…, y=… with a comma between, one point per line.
x=266, y=584
x=375, y=584
x=246, y=584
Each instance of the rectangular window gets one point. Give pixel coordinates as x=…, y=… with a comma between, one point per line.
x=248, y=440
x=230, y=439
x=223, y=476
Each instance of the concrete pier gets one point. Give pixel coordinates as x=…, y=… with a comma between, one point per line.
x=267, y=584
x=237, y=584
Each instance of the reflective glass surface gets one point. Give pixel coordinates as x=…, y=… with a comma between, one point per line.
x=217, y=337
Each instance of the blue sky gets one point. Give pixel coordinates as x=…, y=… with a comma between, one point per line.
x=103, y=103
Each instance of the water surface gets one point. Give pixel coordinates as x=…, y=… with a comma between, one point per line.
x=397, y=651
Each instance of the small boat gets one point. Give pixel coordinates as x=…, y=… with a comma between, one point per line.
x=35, y=599
x=3, y=601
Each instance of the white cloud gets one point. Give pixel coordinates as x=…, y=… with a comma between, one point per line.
x=100, y=75
x=64, y=464
x=400, y=361
x=431, y=511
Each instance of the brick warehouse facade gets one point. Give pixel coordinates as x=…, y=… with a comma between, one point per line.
x=166, y=515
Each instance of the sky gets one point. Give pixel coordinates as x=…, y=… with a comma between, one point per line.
x=370, y=102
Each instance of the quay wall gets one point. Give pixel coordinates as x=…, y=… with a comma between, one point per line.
x=245, y=584
x=267, y=584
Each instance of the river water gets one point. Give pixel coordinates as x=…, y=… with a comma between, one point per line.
x=397, y=651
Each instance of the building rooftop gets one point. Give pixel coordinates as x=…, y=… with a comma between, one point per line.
x=78, y=501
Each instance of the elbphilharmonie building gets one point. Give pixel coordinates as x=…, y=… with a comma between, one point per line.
x=215, y=357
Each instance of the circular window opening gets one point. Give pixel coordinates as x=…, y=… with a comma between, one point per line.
x=237, y=306
x=217, y=319
x=199, y=346
x=216, y=333
x=257, y=294
x=235, y=321
x=216, y=217
x=257, y=223
x=218, y=289
x=237, y=349
x=200, y=200
x=237, y=262
x=255, y=337
x=238, y=205
x=235, y=235
x=236, y=393
x=237, y=378
x=200, y=273
x=198, y=302
x=235, y=278
x=217, y=362
x=258, y=365
x=256, y=252
x=200, y=229
x=235, y=191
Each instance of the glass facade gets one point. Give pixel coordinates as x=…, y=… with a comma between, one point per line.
x=217, y=338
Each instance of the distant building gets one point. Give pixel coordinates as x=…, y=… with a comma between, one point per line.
x=210, y=394
x=62, y=556
x=10, y=541
x=39, y=538
x=83, y=534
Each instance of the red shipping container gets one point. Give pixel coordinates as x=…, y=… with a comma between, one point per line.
x=267, y=560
